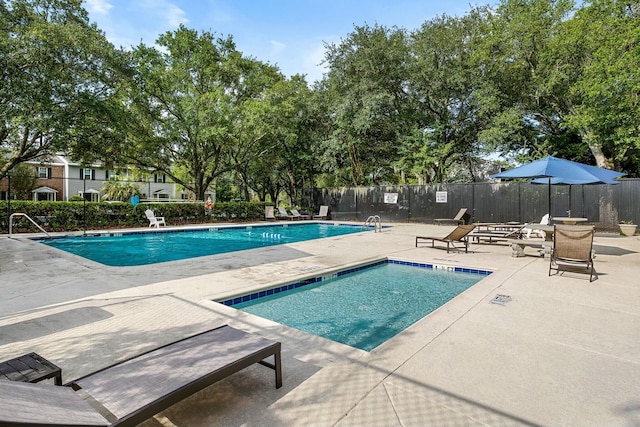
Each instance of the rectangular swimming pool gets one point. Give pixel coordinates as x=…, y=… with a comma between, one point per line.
x=364, y=306
x=142, y=248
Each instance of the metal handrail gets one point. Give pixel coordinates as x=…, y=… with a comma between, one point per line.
x=29, y=218
x=375, y=220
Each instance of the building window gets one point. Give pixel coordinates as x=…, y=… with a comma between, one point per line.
x=87, y=174
x=44, y=172
x=159, y=178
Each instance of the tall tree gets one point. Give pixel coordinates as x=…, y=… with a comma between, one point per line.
x=605, y=88
x=531, y=84
x=58, y=79
x=189, y=107
x=453, y=104
x=365, y=87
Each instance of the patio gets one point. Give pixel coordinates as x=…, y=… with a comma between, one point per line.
x=561, y=351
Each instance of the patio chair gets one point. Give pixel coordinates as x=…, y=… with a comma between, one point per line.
x=154, y=221
x=459, y=234
x=572, y=246
x=130, y=392
x=269, y=213
x=297, y=215
x=283, y=214
x=532, y=229
x=323, y=214
x=462, y=217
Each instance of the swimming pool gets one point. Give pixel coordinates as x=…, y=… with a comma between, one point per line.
x=142, y=248
x=362, y=307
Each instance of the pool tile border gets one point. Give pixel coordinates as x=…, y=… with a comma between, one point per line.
x=210, y=228
x=260, y=294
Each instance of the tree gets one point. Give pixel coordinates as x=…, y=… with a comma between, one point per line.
x=23, y=181
x=365, y=94
x=604, y=90
x=189, y=110
x=453, y=104
x=119, y=190
x=58, y=78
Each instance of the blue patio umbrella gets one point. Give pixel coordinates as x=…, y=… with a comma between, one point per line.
x=561, y=171
x=570, y=182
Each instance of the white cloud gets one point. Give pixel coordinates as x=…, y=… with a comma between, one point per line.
x=174, y=15
x=101, y=7
x=278, y=47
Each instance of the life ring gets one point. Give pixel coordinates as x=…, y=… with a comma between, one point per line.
x=208, y=205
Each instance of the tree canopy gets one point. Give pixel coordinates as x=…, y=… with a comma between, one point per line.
x=58, y=79
x=525, y=78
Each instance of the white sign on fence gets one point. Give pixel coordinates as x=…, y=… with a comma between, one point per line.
x=441, y=197
x=391, y=197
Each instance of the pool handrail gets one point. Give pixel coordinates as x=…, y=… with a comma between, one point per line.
x=29, y=218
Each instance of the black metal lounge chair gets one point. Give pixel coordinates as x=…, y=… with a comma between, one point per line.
x=462, y=217
x=459, y=234
x=131, y=391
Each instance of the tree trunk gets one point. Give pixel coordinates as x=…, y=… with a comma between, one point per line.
x=592, y=141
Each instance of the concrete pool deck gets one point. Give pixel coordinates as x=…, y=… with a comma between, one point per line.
x=562, y=351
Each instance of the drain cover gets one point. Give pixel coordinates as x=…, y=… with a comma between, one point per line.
x=501, y=299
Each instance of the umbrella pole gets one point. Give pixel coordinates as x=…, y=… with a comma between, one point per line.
x=549, y=205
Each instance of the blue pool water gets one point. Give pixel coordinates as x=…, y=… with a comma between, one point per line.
x=362, y=307
x=129, y=249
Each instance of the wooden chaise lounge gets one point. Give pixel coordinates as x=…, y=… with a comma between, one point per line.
x=131, y=391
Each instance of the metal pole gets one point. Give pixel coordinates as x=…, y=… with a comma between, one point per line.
x=84, y=205
x=8, y=201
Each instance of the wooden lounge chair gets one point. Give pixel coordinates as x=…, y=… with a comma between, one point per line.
x=323, y=213
x=154, y=221
x=459, y=234
x=462, y=217
x=129, y=392
x=572, y=246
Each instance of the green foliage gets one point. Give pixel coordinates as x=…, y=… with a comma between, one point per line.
x=119, y=190
x=365, y=92
x=74, y=216
x=57, y=83
x=524, y=79
x=23, y=181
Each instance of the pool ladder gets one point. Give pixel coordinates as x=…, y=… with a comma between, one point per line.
x=375, y=221
x=29, y=218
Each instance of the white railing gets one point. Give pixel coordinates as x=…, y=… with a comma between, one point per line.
x=375, y=221
x=29, y=218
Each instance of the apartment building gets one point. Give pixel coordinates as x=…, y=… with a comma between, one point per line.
x=59, y=178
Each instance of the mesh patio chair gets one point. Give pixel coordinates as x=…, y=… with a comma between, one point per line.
x=572, y=246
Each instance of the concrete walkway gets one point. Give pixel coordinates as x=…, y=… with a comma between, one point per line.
x=562, y=351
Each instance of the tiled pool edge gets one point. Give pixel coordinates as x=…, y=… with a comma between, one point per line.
x=200, y=228
x=308, y=281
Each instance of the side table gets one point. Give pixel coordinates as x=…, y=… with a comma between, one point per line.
x=30, y=368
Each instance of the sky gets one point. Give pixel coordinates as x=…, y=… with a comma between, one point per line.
x=289, y=34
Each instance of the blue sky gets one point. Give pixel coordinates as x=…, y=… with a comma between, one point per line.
x=287, y=33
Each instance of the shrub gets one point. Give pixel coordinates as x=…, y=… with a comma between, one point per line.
x=74, y=216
